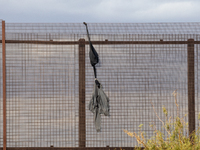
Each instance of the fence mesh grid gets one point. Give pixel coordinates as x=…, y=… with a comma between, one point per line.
x=41, y=96
x=41, y=92
x=106, y=28
x=197, y=78
x=43, y=81
x=133, y=76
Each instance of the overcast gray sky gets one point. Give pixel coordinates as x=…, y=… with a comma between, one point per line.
x=129, y=11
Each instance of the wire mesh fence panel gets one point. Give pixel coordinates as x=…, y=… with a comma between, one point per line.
x=197, y=88
x=43, y=81
x=42, y=100
x=133, y=76
x=107, y=28
x=1, y=90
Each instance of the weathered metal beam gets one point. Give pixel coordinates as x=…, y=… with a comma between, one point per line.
x=82, y=130
x=97, y=42
x=70, y=148
x=191, y=86
x=4, y=82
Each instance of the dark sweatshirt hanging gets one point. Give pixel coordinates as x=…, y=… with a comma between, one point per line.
x=94, y=57
x=99, y=103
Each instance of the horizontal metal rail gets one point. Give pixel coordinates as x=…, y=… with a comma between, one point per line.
x=69, y=148
x=98, y=42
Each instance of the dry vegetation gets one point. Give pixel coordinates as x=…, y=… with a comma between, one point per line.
x=176, y=137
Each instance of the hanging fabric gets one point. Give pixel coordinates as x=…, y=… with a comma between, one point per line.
x=99, y=103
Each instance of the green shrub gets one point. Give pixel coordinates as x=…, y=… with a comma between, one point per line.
x=176, y=137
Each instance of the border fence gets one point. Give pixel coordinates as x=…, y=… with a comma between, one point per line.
x=46, y=82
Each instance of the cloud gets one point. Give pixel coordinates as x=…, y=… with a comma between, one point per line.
x=172, y=11
x=99, y=11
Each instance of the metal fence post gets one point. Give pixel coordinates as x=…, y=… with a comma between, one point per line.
x=191, y=85
x=4, y=82
x=82, y=130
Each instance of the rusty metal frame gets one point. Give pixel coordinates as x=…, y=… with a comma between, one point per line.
x=71, y=148
x=191, y=85
x=4, y=82
x=99, y=42
x=82, y=129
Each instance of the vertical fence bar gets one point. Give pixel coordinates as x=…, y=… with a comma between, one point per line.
x=82, y=129
x=4, y=82
x=191, y=85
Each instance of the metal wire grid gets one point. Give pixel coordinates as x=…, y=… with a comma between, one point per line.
x=42, y=100
x=197, y=88
x=133, y=76
x=1, y=90
x=106, y=28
